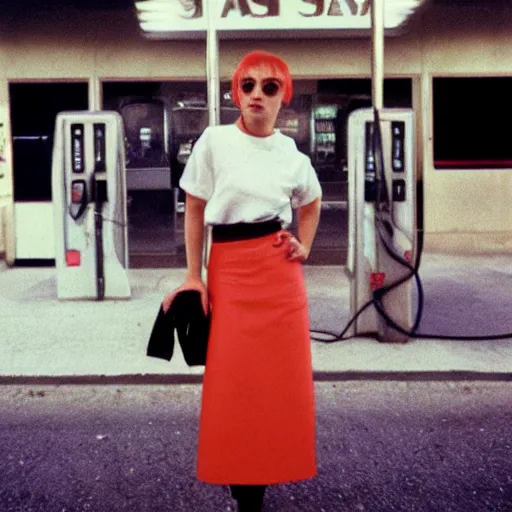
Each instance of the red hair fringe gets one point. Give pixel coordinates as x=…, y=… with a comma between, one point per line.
x=262, y=58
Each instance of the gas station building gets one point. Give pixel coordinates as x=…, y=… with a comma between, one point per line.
x=452, y=64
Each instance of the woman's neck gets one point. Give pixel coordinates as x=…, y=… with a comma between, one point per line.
x=255, y=129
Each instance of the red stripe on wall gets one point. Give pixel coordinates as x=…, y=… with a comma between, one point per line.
x=473, y=164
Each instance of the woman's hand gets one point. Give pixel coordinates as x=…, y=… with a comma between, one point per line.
x=190, y=283
x=295, y=250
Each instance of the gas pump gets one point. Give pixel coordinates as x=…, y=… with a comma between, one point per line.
x=89, y=204
x=382, y=222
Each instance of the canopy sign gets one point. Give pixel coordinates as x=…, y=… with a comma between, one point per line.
x=185, y=19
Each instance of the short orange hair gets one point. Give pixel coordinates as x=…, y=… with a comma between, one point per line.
x=262, y=58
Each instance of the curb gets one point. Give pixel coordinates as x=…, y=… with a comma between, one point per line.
x=173, y=379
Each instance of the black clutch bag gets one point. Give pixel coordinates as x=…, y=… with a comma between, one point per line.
x=192, y=326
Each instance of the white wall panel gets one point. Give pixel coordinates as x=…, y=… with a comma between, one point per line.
x=33, y=224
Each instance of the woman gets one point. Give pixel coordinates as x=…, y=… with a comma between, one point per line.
x=257, y=416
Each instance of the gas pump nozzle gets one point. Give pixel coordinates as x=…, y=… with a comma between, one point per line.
x=394, y=239
x=79, y=201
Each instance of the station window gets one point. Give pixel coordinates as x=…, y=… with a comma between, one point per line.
x=469, y=114
x=34, y=108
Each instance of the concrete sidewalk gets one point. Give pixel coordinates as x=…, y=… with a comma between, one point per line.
x=43, y=338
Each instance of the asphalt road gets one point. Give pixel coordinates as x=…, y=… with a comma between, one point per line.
x=382, y=446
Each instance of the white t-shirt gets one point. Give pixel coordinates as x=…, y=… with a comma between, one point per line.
x=249, y=179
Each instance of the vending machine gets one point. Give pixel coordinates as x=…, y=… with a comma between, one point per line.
x=382, y=222
x=89, y=206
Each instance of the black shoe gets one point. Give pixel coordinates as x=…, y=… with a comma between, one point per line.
x=249, y=498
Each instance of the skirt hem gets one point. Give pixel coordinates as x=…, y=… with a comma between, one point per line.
x=214, y=481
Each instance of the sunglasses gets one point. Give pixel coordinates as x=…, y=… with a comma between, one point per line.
x=269, y=88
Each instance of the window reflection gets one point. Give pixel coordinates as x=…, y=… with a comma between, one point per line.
x=144, y=134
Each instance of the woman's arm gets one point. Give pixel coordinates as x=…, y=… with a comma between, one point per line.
x=307, y=222
x=194, y=240
x=194, y=235
x=308, y=217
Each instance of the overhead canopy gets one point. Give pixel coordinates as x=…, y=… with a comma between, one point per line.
x=186, y=19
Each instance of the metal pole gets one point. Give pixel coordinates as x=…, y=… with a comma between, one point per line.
x=212, y=63
x=377, y=102
x=378, y=53
x=213, y=88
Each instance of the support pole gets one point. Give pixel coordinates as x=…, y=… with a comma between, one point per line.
x=378, y=53
x=377, y=103
x=212, y=63
x=213, y=89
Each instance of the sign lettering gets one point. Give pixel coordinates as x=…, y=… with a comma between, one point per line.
x=77, y=153
x=77, y=147
x=320, y=8
x=244, y=8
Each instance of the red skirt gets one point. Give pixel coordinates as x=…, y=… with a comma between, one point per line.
x=257, y=421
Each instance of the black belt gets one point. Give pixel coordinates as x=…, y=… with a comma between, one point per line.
x=244, y=230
